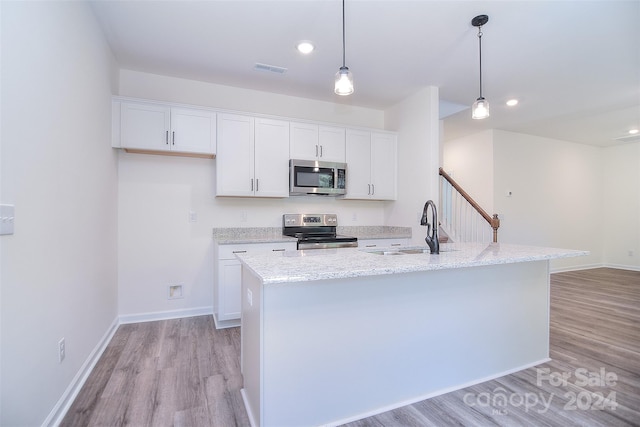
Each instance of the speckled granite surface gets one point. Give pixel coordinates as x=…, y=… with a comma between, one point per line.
x=300, y=266
x=375, y=232
x=238, y=235
x=231, y=236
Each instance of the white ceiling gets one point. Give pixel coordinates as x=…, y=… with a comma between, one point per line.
x=574, y=65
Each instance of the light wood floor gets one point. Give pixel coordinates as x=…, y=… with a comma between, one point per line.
x=185, y=373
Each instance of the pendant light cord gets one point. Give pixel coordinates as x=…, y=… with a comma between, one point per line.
x=343, y=43
x=480, y=50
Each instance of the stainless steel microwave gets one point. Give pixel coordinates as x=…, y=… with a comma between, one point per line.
x=314, y=177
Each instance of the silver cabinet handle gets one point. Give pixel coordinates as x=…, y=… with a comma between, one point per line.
x=166, y=137
x=373, y=189
x=174, y=138
x=321, y=151
x=239, y=252
x=316, y=150
x=251, y=184
x=369, y=191
x=278, y=250
x=257, y=184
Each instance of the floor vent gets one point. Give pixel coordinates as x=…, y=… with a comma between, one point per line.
x=269, y=68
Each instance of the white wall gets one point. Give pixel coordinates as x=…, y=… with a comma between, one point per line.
x=469, y=161
x=556, y=189
x=416, y=121
x=621, y=206
x=58, y=271
x=157, y=245
x=556, y=195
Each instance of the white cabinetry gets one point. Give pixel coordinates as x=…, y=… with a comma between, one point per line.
x=253, y=157
x=317, y=142
x=162, y=128
x=227, y=279
x=371, y=165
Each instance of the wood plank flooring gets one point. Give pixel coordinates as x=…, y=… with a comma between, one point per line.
x=183, y=372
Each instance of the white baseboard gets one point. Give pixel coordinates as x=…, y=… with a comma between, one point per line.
x=164, y=315
x=576, y=268
x=60, y=409
x=623, y=267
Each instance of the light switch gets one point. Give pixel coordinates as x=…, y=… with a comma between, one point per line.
x=7, y=218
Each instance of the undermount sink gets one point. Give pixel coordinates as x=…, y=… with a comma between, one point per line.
x=409, y=251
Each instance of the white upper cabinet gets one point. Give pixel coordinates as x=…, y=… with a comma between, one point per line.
x=161, y=128
x=271, y=158
x=371, y=165
x=384, y=166
x=193, y=131
x=234, y=159
x=317, y=142
x=145, y=126
x=253, y=157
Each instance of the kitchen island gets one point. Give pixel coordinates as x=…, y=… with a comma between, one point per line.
x=332, y=336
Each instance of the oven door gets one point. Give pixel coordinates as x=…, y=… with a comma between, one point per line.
x=313, y=177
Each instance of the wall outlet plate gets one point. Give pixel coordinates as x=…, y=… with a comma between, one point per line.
x=7, y=219
x=175, y=291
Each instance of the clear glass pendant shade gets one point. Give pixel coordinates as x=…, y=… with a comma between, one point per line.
x=344, y=82
x=480, y=109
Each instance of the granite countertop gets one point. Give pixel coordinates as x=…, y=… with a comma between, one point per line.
x=239, y=235
x=232, y=236
x=375, y=232
x=320, y=264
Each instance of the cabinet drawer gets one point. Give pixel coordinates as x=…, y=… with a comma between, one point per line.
x=229, y=251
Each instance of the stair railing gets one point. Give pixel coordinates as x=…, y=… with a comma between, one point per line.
x=462, y=218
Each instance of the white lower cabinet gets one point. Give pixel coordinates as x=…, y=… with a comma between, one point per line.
x=227, y=279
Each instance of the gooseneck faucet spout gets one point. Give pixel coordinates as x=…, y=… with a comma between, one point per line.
x=432, y=228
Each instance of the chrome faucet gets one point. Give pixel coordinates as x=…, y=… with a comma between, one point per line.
x=432, y=228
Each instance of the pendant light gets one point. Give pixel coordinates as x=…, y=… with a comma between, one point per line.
x=480, y=109
x=344, y=77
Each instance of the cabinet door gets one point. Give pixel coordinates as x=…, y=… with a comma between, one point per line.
x=234, y=164
x=271, y=158
x=145, y=126
x=383, y=166
x=230, y=289
x=304, y=141
x=193, y=131
x=332, y=144
x=358, y=157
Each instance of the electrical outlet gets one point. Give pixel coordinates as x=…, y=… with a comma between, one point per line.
x=62, y=351
x=175, y=291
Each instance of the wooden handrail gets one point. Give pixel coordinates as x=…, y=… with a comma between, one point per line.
x=493, y=221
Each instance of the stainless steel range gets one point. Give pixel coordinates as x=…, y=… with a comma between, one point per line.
x=316, y=231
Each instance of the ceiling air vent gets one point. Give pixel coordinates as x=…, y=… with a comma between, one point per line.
x=269, y=68
x=628, y=138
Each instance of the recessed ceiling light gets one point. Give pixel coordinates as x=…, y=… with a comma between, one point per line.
x=633, y=131
x=305, y=47
x=512, y=102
